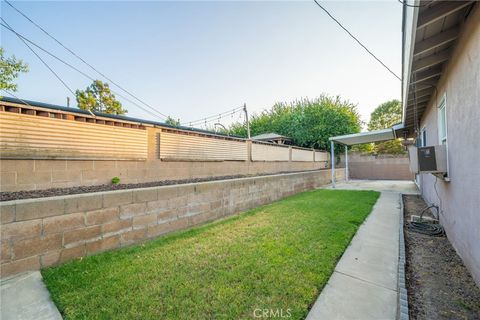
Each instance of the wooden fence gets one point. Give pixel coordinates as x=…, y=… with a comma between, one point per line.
x=43, y=137
x=36, y=132
x=185, y=145
x=262, y=151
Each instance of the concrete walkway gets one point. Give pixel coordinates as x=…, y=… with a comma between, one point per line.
x=24, y=296
x=364, y=283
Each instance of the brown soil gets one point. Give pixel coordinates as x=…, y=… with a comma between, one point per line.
x=439, y=286
x=17, y=195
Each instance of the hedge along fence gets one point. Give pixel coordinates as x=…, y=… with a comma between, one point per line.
x=37, y=233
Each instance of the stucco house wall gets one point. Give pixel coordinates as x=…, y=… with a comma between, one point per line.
x=459, y=199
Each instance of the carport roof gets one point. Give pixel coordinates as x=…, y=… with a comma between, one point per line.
x=368, y=137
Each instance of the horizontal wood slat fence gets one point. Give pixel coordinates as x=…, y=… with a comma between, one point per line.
x=184, y=145
x=45, y=135
x=269, y=152
x=30, y=136
x=44, y=147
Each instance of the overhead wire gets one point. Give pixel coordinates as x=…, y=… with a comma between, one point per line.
x=84, y=61
x=43, y=61
x=25, y=39
x=16, y=97
x=214, y=117
x=204, y=120
x=357, y=40
x=221, y=114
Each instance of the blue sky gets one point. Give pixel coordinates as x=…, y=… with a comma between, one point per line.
x=195, y=59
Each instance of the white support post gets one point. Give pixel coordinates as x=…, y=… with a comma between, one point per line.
x=332, y=154
x=346, y=163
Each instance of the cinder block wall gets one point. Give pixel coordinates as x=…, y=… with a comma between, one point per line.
x=16, y=175
x=37, y=233
x=382, y=167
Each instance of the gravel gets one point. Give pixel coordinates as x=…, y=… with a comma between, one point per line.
x=17, y=195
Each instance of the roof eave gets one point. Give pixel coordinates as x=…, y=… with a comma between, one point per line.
x=410, y=19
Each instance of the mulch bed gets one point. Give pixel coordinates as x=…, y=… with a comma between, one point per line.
x=17, y=195
x=439, y=285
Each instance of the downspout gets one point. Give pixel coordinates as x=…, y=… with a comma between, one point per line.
x=346, y=163
x=332, y=154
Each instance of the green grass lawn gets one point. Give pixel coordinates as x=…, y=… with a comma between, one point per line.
x=277, y=257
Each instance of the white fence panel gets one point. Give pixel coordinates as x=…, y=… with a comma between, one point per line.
x=269, y=152
x=185, y=145
x=302, y=154
x=321, y=156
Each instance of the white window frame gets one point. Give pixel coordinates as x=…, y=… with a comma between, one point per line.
x=423, y=135
x=422, y=138
x=442, y=107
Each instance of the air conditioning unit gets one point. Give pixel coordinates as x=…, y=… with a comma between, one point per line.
x=432, y=159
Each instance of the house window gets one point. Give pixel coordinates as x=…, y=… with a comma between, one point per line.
x=422, y=138
x=442, y=122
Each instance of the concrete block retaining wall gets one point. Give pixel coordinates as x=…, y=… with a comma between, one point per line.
x=37, y=233
x=28, y=174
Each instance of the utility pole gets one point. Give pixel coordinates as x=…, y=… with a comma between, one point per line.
x=68, y=102
x=246, y=119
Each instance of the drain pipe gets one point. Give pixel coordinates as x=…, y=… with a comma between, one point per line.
x=346, y=163
x=332, y=154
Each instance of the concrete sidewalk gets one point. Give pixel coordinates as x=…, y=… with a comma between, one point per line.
x=364, y=283
x=24, y=296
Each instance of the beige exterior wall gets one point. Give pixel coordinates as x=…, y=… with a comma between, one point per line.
x=37, y=233
x=459, y=199
x=381, y=167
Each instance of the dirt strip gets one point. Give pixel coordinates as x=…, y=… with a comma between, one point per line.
x=439, y=285
x=30, y=194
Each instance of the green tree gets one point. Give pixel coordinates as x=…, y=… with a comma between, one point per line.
x=386, y=116
x=99, y=97
x=10, y=68
x=309, y=122
x=172, y=122
x=364, y=148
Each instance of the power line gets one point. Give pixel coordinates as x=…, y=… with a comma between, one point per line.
x=43, y=61
x=23, y=38
x=214, y=117
x=356, y=39
x=13, y=95
x=206, y=121
x=81, y=59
